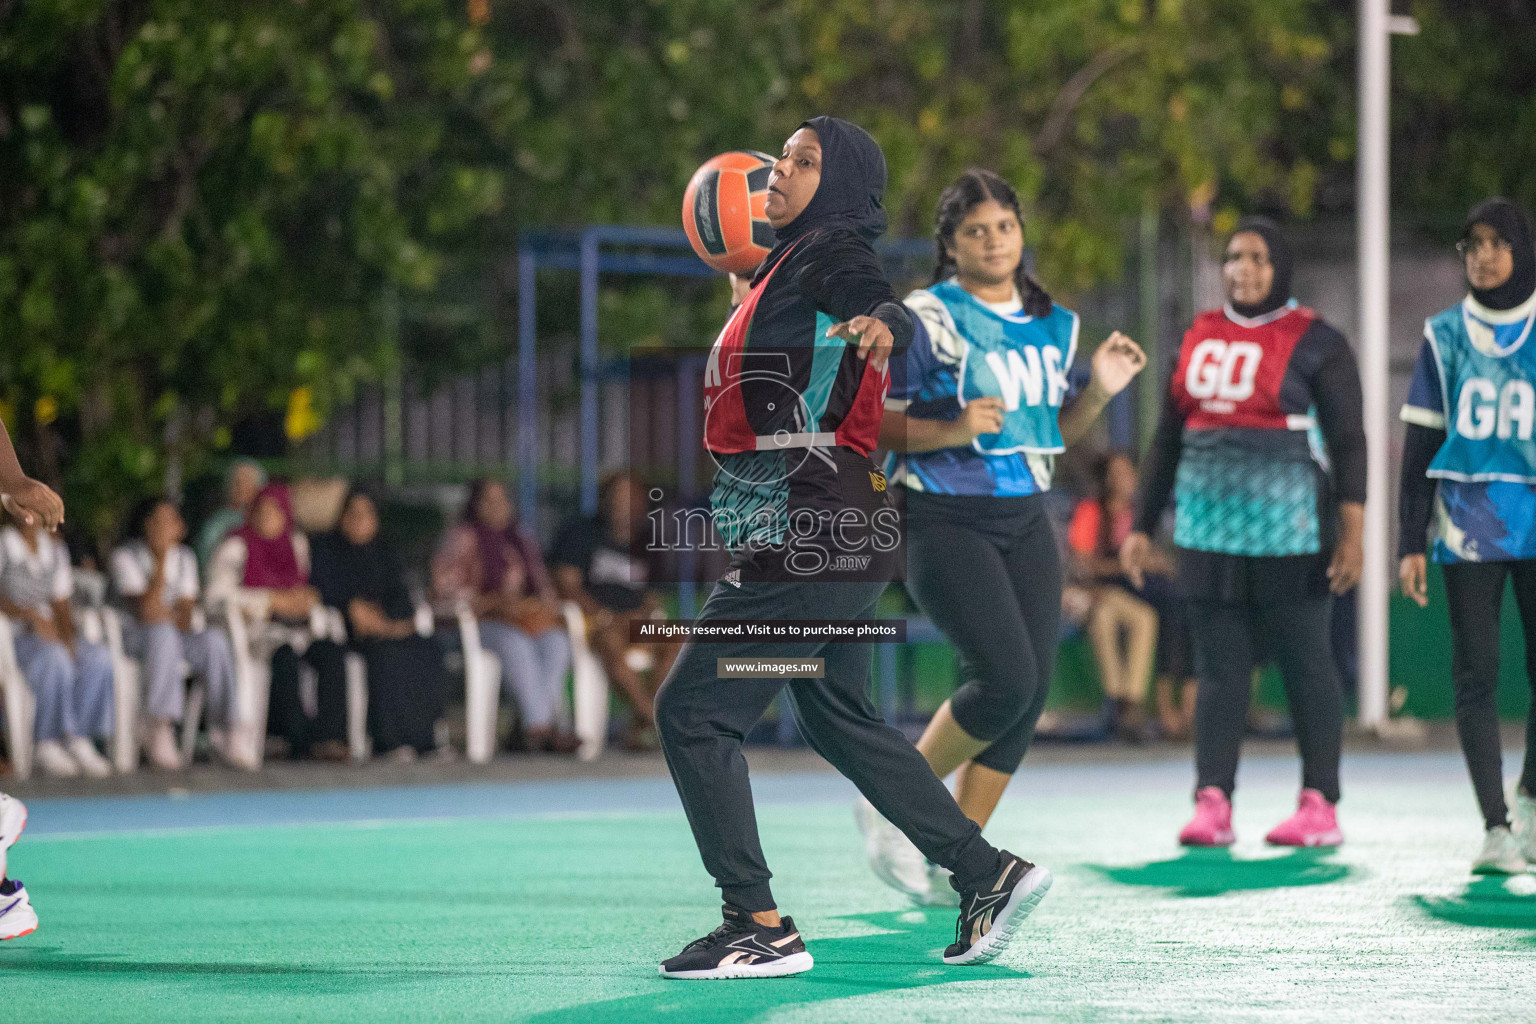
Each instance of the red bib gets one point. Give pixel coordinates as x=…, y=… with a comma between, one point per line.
x=1230, y=374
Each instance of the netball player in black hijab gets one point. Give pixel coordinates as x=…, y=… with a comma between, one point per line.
x=1268, y=524
x=1469, y=466
x=793, y=410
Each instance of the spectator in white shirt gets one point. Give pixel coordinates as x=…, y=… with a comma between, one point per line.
x=155, y=577
x=70, y=677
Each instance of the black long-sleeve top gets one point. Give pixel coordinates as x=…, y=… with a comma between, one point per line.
x=832, y=272
x=1416, y=491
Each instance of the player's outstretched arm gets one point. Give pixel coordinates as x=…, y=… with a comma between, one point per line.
x=27, y=499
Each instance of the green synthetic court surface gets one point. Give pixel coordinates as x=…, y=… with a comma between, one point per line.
x=515, y=910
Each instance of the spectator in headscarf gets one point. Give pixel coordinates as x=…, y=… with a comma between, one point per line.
x=487, y=562
x=241, y=482
x=357, y=573
x=262, y=572
x=155, y=577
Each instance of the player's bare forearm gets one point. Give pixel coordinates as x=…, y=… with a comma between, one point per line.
x=1077, y=418
x=902, y=433
x=11, y=476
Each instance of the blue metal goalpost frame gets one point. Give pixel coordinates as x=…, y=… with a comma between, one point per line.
x=590, y=252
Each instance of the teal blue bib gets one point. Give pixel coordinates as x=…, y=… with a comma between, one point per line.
x=1021, y=359
x=1488, y=377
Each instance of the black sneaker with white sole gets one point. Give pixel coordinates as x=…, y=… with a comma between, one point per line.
x=741, y=948
x=990, y=915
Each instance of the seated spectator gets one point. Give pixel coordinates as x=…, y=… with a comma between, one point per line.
x=489, y=563
x=595, y=566
x=155, y=578
x=241, y=482
x=1122, y=627
x=261, y=571
x=356, y=572
x=1094, y=538
x=70, y=677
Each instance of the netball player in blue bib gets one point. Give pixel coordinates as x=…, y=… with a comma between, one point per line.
x=1469, y=464
x=974, y=419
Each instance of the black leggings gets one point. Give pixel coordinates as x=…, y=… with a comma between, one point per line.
x=703, y=718
x=1475, y=595
x=1228, y=639
x=285, y=712
x=988, y=573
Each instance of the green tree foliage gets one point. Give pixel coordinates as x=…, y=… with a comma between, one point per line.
x=1094, y=108
x=1464, y=109
x=206, y=203
x=211, y=204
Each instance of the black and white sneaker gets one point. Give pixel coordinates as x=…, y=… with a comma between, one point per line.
x=741, y=948
x=990, y=916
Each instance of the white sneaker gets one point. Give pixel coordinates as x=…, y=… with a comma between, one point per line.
x=940, y=892
x=54, y=760
x=233, y=748
x=160, y=746
x=13, y=821
x=1525, y=825
x=17, y=918
x=89, y=758
x=1501, y=854
x=894, y=859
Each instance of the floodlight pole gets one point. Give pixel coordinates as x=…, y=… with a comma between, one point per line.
x=1373, y=239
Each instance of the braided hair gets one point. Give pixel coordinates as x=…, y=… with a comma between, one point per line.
x=969, y=191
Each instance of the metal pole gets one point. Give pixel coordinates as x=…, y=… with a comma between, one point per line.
x=527, y=389
x=1373, y=239
x=1150, y=393
x=589, y=243
x=393, y=419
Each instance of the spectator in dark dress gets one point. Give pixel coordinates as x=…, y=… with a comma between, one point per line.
x=358, y=574
x=596, y=563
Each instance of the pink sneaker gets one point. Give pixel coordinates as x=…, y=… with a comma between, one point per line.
x=1313, y=824
x=1212, y=823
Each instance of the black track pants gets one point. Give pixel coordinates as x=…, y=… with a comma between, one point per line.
x=1475, y=594
x=988, y=573
x=1228, y=639
x=703, y=718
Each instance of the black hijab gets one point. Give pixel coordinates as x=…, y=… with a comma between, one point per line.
x=344, y=571
x=1510, y=221
x=852, y=186
x=1279, y=257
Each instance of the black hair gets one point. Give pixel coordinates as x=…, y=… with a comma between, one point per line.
x=138, y=519
x=1101, y=493
x=969, y=191
x=613, y=479
x=477, y=488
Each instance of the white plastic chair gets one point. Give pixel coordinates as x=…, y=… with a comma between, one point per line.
x=253, y=686
x=20, y=705
x=482, y=689
x=100, y=625
x=589, y=684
